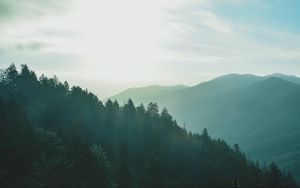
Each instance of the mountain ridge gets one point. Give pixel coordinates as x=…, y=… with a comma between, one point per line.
x=56, y=136
x=248, y=105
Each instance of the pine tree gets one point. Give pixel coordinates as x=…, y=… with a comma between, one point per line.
x=274, y=175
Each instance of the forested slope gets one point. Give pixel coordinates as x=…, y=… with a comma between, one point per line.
x=259, y=113
x=52, y=135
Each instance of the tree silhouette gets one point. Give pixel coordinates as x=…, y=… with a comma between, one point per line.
x=51, y=135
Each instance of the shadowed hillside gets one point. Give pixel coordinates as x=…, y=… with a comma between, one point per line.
x=260, y=113
x=55, y=136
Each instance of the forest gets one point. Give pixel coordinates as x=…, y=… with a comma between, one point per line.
x=54, y=135
x=263, y=111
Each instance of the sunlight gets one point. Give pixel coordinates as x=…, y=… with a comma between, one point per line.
x=119, y=38
x=149, y=93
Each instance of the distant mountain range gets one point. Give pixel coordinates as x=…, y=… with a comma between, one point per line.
x=261, y=114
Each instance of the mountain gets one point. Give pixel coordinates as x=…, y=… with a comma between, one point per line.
x=56, y=136
x=290, y=78
x=259, y=113
x=147, y=92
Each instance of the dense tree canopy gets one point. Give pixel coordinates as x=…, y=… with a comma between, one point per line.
x=52, y=135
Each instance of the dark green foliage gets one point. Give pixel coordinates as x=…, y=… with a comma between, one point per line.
x=261, y=114
x=55, y=136
x=274, y=176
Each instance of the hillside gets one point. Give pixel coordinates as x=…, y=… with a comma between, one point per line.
x=55, y=136
x=259, y=113
x=144, y=93
x=290, y=78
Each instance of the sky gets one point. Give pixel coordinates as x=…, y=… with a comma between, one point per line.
x=110, y=45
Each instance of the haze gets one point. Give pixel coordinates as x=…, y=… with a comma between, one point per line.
x=108, y=46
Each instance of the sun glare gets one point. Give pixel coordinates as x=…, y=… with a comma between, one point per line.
x=119, y=38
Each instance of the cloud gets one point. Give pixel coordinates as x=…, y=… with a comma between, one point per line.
x=32, y=46
x=211, y=37
x=177, y=40
x=199, y=32
x=16, y=9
